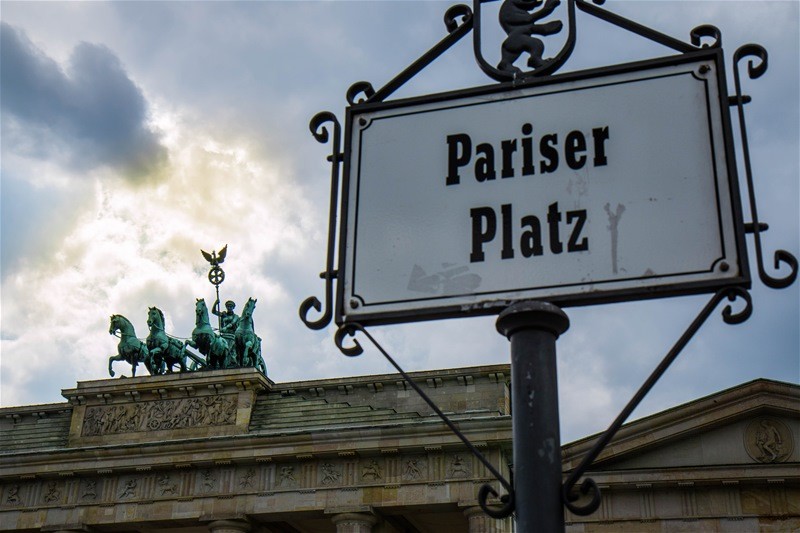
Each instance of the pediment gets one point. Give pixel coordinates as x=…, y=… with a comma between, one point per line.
x=755, y=423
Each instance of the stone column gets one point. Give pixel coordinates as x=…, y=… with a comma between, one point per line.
x=480, y=522
x=228, y=526
x=354, y=522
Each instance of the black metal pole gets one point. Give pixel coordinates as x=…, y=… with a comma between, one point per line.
x=533, y=327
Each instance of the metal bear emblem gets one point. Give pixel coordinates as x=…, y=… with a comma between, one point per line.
x=523, y=21
x=520, y=20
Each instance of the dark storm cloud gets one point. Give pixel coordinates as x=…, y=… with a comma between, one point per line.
x=90, y=116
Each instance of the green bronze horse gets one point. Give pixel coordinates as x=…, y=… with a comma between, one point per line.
x=165, y=352
x=218, y=353
x=247, y=343
x=130, y=349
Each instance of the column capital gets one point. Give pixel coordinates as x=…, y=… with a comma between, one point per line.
x=354, y=522
x=469, y=512
x=229, y=526
x=480, y=522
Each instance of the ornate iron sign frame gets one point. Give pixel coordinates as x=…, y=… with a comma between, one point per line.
x=460, y=20
x=729, y=267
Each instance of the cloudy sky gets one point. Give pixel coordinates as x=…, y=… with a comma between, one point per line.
x=135, y=134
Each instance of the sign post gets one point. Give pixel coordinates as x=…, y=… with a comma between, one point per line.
x=533, y=327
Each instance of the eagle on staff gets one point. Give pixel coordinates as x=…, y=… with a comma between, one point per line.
x=215, y=258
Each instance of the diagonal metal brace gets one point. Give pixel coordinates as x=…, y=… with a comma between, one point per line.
x=644, y=31
x=589, y=485
x=455, y=31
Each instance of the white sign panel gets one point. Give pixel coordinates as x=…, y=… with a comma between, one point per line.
x=604, y=188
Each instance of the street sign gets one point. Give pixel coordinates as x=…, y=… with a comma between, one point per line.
x=542, y=192
x=605, y=185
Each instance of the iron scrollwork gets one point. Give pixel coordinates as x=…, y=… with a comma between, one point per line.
x=321, y=134
x=709, y=31
x=507, y=500
x=364, y=88
x=589, y=485
x=756, y=69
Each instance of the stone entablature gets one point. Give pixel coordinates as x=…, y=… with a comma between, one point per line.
x=167, y=449
x=686, y=504
x=409, y=478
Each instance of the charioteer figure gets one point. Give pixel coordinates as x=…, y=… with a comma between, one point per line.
x=229, y=320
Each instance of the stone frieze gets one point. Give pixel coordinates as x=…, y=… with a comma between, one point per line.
x=225, y=480
x=160, y=415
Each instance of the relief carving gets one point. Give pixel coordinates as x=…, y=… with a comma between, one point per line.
x=130, y=489
x=89, y=490
x=286, y=477
x=53, y=494
x=209, y=481
x=372, y=471
x=414, y=467
x=160, y=415
x=12, y=497
x=459, y=467
x=246, y=481
x=330, y=474
x=768, y=440
x=165, y=485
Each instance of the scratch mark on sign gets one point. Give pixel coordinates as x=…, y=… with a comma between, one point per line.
x=613, y=227
x=451, y=279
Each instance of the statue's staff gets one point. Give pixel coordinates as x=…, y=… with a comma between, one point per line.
x=216, y=275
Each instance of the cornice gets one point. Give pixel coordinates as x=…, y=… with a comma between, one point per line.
x=755, y=473
x=448, y=377
x=168, y=386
